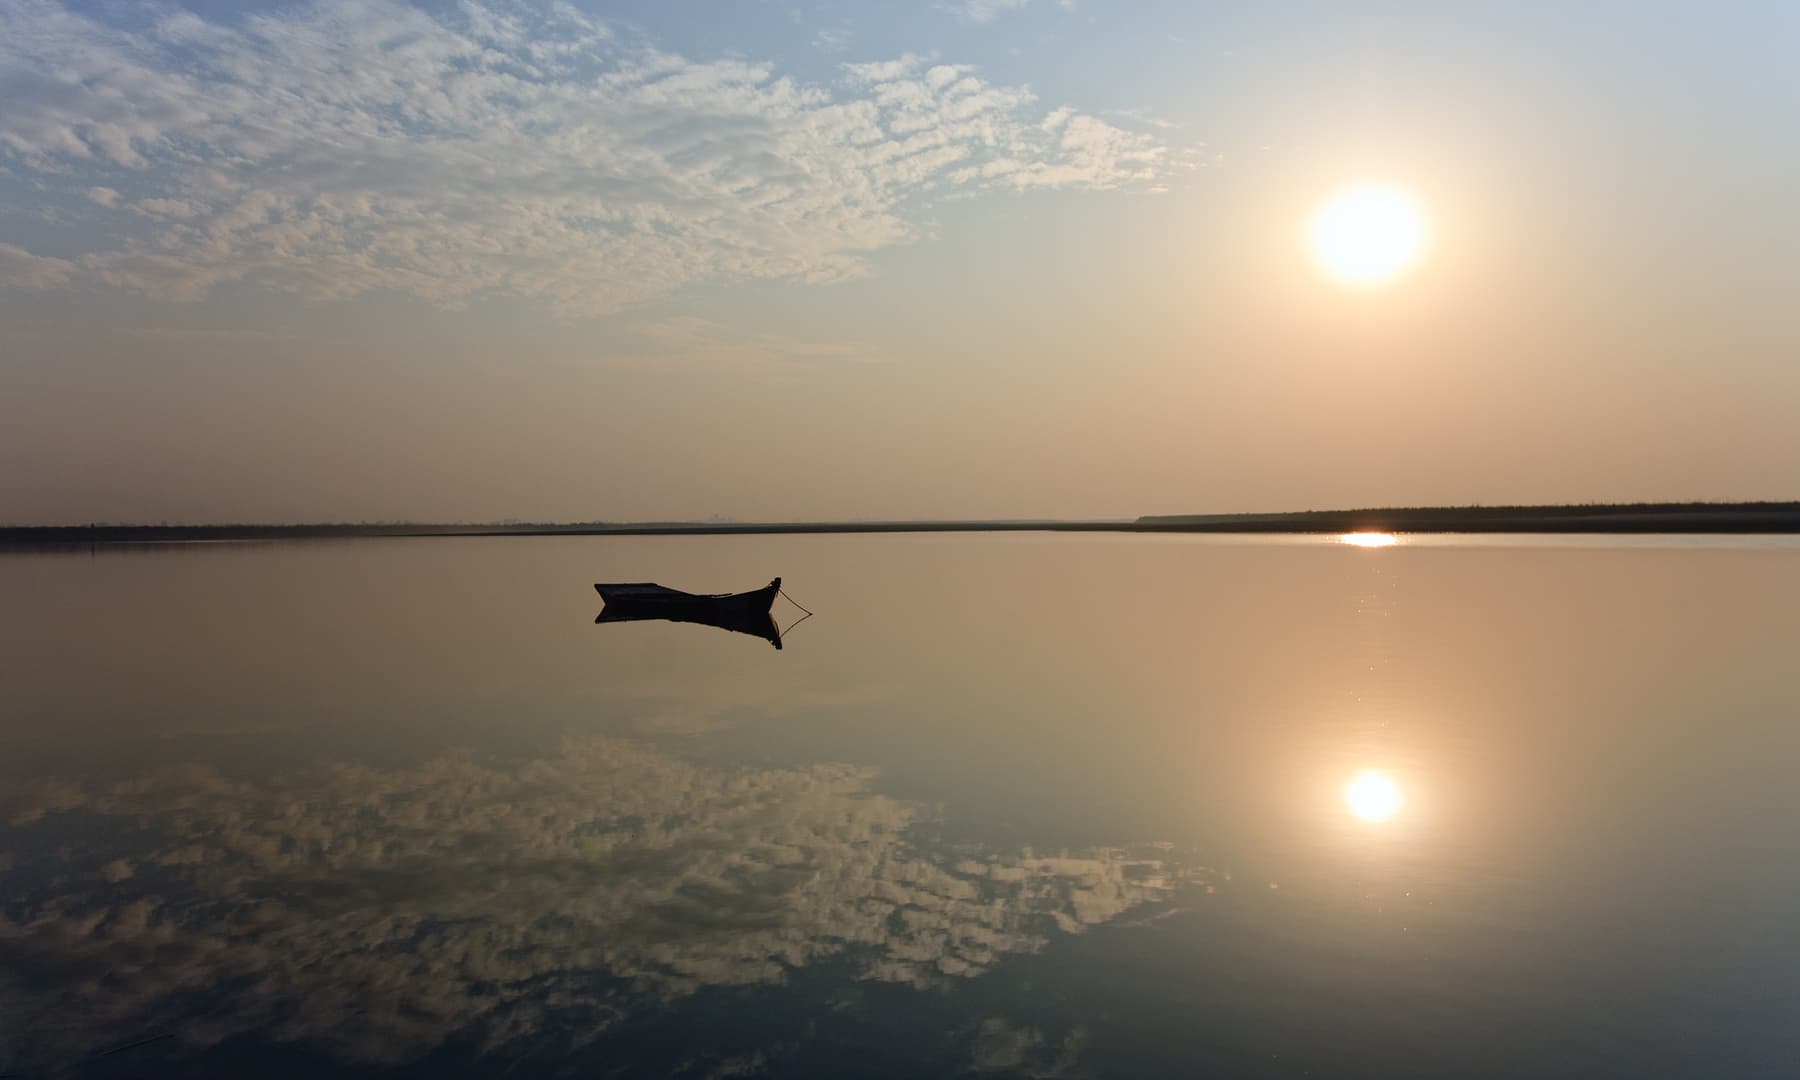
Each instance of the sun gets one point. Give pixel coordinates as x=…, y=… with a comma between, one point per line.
x=1373, y=796
x=1368, y=234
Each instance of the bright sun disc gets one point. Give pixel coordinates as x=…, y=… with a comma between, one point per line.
x=1367, y=235
x=1369, y=539
x=1372, y=796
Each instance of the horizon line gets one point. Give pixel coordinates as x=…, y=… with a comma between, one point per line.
x=1686, y=516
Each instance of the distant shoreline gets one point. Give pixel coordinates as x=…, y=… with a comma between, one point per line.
x=1758, y=517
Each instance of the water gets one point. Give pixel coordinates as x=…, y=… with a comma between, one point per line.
x=1046, y=805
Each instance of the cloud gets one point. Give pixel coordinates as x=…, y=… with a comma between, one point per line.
x=20, y=269
x=983, y=11
x=833, y=39
x=336, y=149
x=381, y=913
x=986, y=11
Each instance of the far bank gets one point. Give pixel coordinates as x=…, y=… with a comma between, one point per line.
x=1751, y=517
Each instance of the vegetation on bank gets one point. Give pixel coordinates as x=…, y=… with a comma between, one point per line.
x=1687, y=517
x=1580, y=517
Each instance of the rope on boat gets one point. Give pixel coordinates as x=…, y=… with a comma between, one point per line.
x=791, y=600
x=797, y=604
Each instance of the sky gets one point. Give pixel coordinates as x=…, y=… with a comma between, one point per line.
x=473, y=261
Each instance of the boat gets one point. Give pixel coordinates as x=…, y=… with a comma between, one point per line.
x=743, y=613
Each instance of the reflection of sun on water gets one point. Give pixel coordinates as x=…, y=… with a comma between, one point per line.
x=1369, y=539
x=1373, y=796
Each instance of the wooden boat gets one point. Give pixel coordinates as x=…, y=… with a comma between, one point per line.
x=743, y=613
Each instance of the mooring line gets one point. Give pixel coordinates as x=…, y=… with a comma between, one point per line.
x=791, y=600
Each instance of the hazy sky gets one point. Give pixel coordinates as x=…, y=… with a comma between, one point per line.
x=991, y=258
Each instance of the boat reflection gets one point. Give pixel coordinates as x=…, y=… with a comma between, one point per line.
x=756, y=624
x=742, y=613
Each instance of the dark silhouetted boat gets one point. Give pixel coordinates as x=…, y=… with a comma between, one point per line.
x=743, y=613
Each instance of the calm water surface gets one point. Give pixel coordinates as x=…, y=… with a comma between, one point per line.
x=1019, y=804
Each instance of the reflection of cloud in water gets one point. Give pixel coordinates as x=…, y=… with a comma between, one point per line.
x=381, y=911
x=1001, y=1047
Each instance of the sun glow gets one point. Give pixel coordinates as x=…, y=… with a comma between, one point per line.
x=1368, y=234
x=1369, y=539
x=1373, y=796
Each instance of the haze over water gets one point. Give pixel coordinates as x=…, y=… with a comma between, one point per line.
x=1009, y=804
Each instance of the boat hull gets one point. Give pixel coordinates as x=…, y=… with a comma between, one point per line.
x=743, y=613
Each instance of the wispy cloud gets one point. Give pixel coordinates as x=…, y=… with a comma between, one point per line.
x=833, y=39
x=986, y=11
x=20, y=269
x=337, y=148
x=983, y=11
x=1143, y=117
